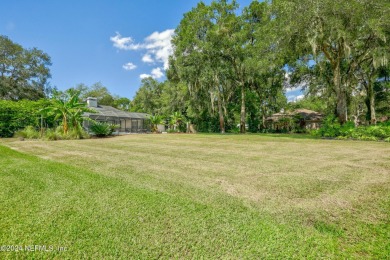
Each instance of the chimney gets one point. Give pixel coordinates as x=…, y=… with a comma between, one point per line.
x=92, y=102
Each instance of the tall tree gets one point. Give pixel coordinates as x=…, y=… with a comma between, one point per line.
x=264, y=59
x=203, y=56
x=194, y=60
x=342, y=33
x=24, y=73
x=99, y=91
x=148, y=97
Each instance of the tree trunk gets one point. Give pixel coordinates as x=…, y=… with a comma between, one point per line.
x=219, y=103
x=341, y=94
x=65, y=124
x=342, y=106
x=371, y=98
x=243, y=114
x=220, y=112
x=263, y=120
x=262, y=117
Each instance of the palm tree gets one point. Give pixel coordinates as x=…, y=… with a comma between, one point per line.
x=171, y=122
x=155, y=121
x=67, y=108
x=176, y=119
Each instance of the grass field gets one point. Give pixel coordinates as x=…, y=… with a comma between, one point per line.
x=195, y=196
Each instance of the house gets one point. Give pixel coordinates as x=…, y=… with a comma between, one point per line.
x=129, y=122
x=304, y=118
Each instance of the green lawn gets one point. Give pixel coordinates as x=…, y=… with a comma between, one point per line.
x=194, y=196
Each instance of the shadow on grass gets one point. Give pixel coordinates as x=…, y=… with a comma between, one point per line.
x=277, y=135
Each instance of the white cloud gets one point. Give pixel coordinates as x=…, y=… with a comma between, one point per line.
x=147, y=58
x=157, y=46
x=124, y=43
x=157, y=73
x=144, y=76
x=291, y=89
x=129, y=66
x=294, y=98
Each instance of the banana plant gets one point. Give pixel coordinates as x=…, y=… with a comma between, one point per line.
x=66, y=106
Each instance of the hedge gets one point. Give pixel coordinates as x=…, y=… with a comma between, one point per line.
x=16, y=115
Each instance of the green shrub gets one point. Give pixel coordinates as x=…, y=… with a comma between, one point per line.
x=366, y=132
x=342, y=138
x=330, y=127
x=347, y=129
x=20, y=134
x=173, y=131
x=386, y=123
x=368, y=138
x=77, y=133
x=28, y=132
x=101, y=129
x=315, y=132
x=114, y=128
x=378, y=131
x=52, y=135
x=17, y=115
x=234, y=130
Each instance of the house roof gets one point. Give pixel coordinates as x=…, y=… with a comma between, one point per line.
x=108, y=111
x=304, y=113
x=309, y=114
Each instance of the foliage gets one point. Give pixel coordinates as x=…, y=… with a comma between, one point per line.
x=103, y=95
x=67, y=108
x=232, y=71
x=233, y=65
x=332, y=128
x=96, y=90
x=344, y=40
x=148, y=97
x=102, y=129
x=122, y=103
x=75, y=133
x=30, y=132
x=175, y=120
x=16, y=115
x=369, y=133
x=311, y=102
x=53, y=135
x=24, y=73
x=155, y=121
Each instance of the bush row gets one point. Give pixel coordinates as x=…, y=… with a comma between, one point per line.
x=332, y=128
x=31, y=132
x=99, y=129
x=16, y=115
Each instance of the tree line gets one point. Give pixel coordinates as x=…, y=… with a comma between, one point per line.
x=231, y=66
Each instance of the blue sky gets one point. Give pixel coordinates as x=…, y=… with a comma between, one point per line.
x=114, y=42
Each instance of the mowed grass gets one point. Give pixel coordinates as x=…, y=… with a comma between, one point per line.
x=196, y=196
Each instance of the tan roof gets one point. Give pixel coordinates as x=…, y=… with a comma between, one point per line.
x=304, y=113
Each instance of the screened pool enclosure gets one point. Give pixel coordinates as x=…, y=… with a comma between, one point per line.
x=129, y=122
